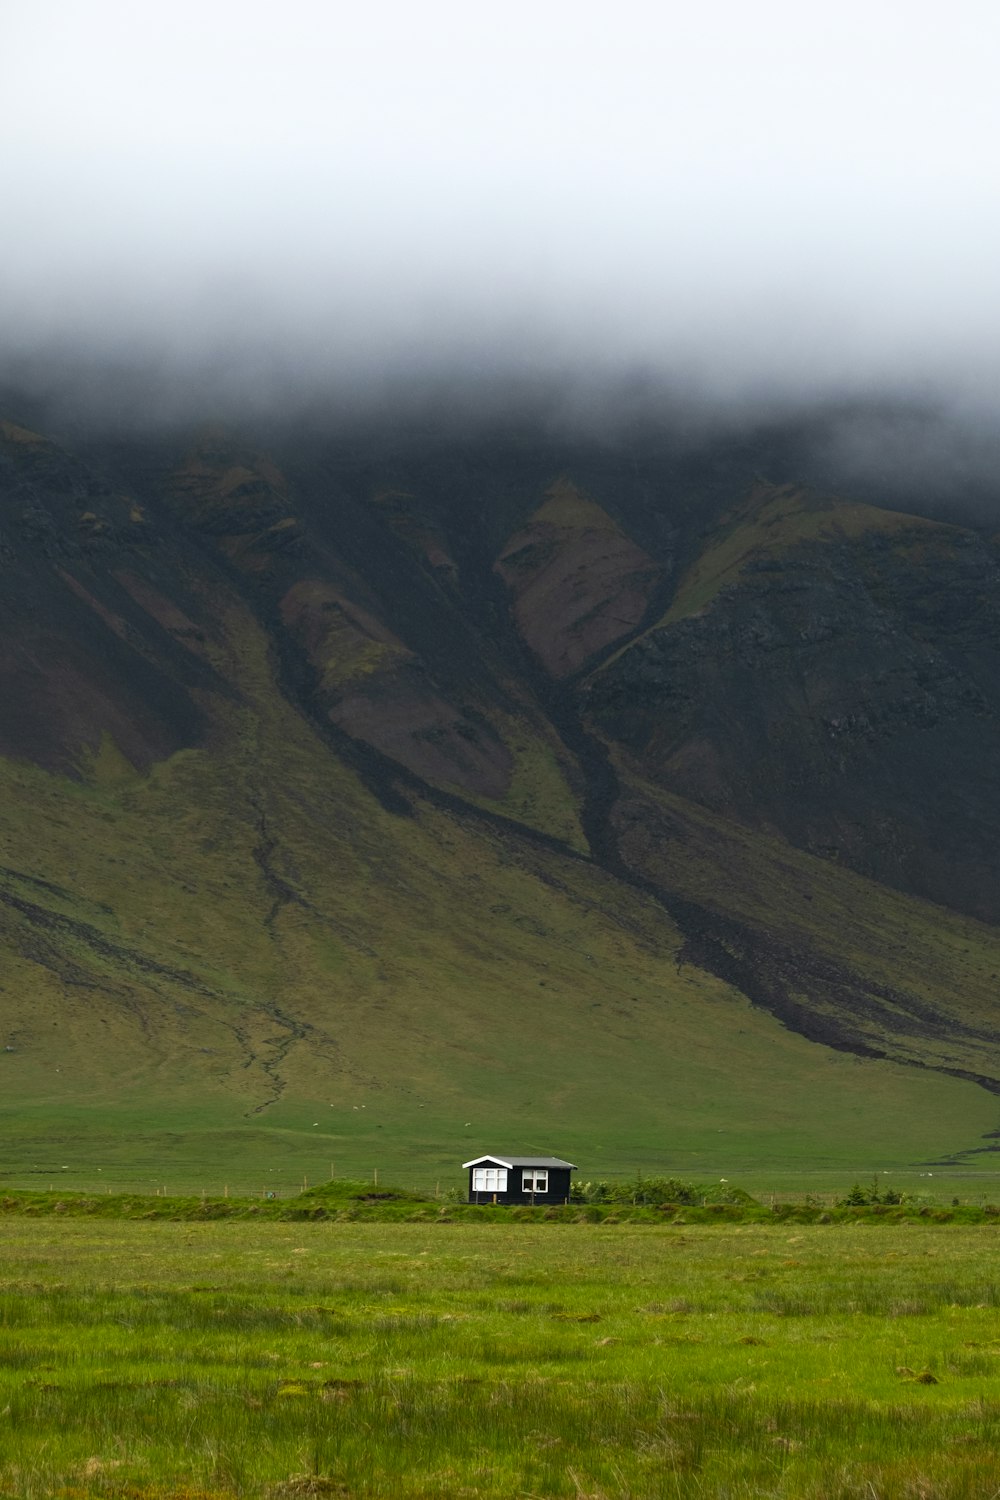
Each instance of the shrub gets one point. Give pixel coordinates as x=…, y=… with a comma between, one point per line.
x=638, y=1191
x=860, y=1197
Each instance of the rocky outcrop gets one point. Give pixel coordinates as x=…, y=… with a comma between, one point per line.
x=369, y=683
x=354, y=638
x=844, y=691
x=577, y=583
x=85, y=658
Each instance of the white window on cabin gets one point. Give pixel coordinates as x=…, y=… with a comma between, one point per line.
x=489, y=1179
x=534, y=1181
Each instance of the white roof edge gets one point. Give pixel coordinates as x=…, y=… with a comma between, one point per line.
x=525, y=1161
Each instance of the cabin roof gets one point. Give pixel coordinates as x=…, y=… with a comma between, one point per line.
x=521, y=1161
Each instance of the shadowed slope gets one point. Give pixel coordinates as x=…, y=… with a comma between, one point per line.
x=830, y=672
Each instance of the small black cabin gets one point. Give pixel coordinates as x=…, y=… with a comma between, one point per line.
x=519, y=1179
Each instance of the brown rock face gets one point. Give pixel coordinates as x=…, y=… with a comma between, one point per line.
x=372, y=685
x=404, y=717
x=365, y=675
x=426, y=540
x=237, y=496
x=83, y=659
x=578, y=584
x=831, y=673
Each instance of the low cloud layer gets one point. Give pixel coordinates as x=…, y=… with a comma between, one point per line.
x=247, y=203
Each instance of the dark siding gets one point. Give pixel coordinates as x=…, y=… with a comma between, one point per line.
x=559, y=1181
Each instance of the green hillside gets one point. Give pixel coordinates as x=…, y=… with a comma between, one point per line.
x=197, y=993
x=243, y=944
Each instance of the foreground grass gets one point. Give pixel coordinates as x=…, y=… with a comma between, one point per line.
x=248, y=1359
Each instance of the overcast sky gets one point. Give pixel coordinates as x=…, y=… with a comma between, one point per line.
x=752, y=196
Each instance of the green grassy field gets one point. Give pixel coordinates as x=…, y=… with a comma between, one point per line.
x=203, y=1362
x=176, y=1151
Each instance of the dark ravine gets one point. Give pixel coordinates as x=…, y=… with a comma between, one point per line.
x=49, y=922
x=753, y=963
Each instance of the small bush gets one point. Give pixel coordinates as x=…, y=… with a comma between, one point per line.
x=863, y=1197
x=638, y=1191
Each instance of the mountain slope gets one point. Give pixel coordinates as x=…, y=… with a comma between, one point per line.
x=320, y=842
x=831, y=672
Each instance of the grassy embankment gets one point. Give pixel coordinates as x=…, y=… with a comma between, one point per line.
x=214, y=1361
x=635, y=1201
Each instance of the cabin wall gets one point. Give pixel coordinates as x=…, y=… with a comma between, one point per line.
x=559, y=1184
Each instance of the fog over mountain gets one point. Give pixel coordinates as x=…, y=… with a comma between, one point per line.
x=581, y=211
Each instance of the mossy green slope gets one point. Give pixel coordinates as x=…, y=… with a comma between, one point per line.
x=247, y=962
x=771, y=523
x=836, y=954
